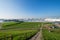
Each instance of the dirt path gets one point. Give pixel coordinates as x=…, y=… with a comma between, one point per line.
x=38, y=36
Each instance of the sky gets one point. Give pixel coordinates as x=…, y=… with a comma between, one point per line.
x=29, y=8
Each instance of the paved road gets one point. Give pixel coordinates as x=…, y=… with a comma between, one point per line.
x=38, y=36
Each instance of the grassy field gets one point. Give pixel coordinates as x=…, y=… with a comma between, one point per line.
x=5, y=24
x=19, y=31
x=25, y=30
x=53, y=35
x=16, y=34
x=23, y=25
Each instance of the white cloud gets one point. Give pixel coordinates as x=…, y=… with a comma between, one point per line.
x=52, y=20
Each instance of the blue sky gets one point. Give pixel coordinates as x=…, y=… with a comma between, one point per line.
x=29, y=8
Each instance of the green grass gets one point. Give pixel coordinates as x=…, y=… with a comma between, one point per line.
x=24, y=25
x=18, y=31
x=8, y=23
x=54, y=35
x=17, y=34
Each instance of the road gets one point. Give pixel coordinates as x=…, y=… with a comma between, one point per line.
x=38, y=36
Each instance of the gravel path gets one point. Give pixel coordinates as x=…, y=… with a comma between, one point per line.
x=38, y=36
